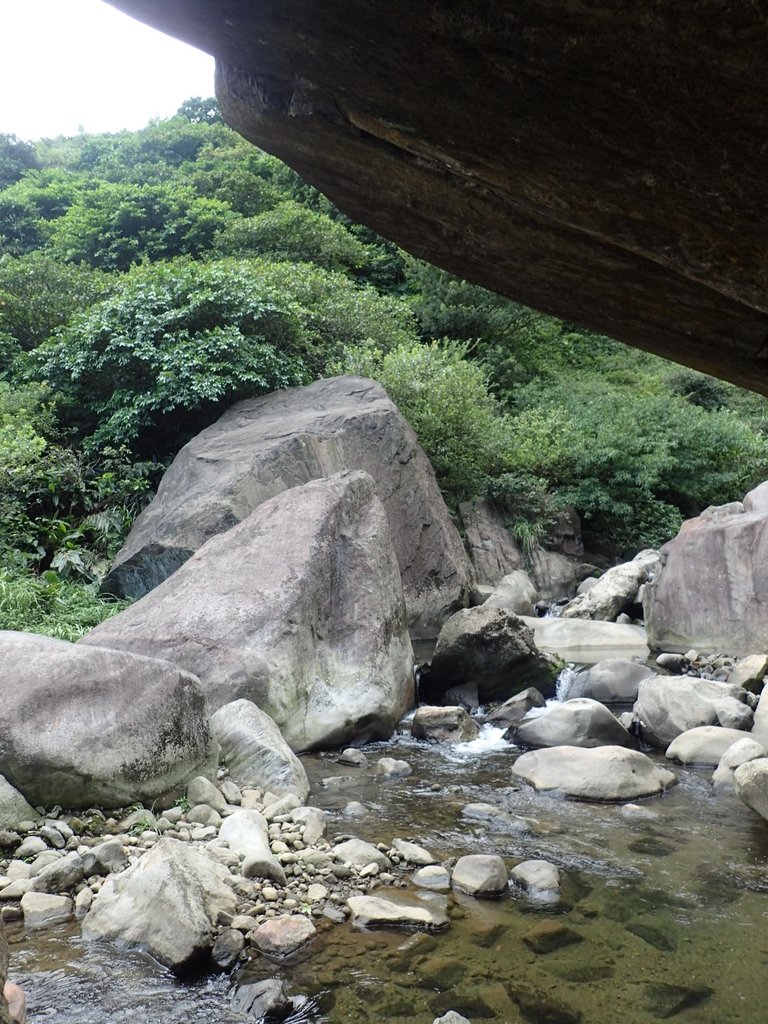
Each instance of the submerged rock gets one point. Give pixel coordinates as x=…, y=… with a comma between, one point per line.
x=283, y=935
x=421, y=912
x=600, y=774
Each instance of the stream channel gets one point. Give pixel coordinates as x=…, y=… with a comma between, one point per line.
x=668, y=915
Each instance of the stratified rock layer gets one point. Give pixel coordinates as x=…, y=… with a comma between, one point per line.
x=518, y=144
x=264, y=446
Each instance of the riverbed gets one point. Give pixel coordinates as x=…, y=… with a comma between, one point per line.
x=662, y=918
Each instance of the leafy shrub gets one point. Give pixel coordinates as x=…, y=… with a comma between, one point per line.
x=445, y=399
x=115, y=225
x=52, y=606
x=289, y=231
x=39, y=294
x=155, y=363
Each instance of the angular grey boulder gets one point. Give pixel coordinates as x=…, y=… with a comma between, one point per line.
x=299, y=609
x=711, y=592
x=515, y=592
x=615, y=590
x=493, y=649
x=264, y=446
x=670, y=705
x=480, y=874
x=600, y=774
x=443, y=725
x=254, y=751
x=168, y=904
x=516, y=708
x=580, y=722
x=612, y=681
x=82, y=725
x=13, y=807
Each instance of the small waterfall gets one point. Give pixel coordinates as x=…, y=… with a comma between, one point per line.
x=564, y=683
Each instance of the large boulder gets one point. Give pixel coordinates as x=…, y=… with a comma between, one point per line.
x=586, y=642
x=613, y=681
x=737, y=754
x=580, y=722
x=264, y=446
x=168, y=903
x=492, y=549
x=704, y=745
x=516, y=593
x=711, y=592
x=254, y=751
x=299, y=609
x=457, y=139
x=613, y=592
x=82, y=725
x=670, y=705
x=751, y=782
x=494, y=650
x=603, y=773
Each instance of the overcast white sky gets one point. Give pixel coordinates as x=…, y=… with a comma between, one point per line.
x=67, y=65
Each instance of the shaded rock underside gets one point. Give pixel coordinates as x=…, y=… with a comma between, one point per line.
x=603, y=163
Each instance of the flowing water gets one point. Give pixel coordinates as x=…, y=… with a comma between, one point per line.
x=661, y=918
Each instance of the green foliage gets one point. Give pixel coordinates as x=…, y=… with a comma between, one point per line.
x=156, y=362
x=116, y=346
x=289, y=231
x=201, y=110
x=39, y=294
x=51, y=605
x=115, y=225
x=445, y=399
x=16, y=159
x=633, y=463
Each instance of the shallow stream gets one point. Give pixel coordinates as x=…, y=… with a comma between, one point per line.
x=666, y=918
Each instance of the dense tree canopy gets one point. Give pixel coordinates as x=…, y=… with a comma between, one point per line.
x=148, y=279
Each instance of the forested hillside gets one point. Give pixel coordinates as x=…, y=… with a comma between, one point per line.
x=149, y=279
